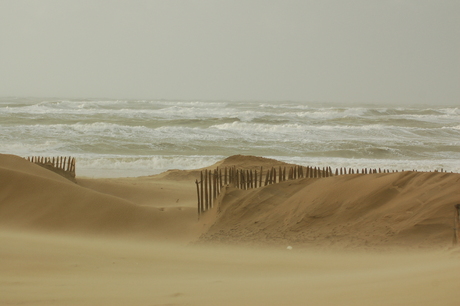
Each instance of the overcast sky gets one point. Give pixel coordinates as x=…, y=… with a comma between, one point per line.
x=391, y=51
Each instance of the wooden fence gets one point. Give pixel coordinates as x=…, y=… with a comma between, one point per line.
x=62, y=165
x=212, y=181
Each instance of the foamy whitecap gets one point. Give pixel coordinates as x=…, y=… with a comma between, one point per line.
x=133, y=134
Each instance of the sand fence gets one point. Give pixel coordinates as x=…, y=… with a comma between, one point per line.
x=212, y=181
x=64, y=166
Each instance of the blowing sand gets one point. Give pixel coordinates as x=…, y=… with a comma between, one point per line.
x=380, y=239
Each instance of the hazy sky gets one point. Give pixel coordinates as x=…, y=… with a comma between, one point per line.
x=340, y=51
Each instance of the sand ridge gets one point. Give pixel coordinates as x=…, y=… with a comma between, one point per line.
x=405, y=209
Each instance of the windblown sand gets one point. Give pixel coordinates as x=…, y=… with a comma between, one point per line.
x=378, y=239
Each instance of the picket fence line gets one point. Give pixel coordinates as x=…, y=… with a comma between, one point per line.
x=212, y=181
x=65, y=164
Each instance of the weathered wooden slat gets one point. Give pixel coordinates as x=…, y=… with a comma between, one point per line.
x=456, y=241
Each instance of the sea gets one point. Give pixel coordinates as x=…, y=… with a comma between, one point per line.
x=130, y=138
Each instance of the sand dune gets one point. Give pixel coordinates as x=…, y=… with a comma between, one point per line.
x=406, y=209
x=127, y=241
x=34, y=198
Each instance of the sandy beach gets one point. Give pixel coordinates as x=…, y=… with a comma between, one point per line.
x=229, y=153
x=374, y=239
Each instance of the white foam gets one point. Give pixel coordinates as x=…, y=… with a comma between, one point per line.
x=113, y=131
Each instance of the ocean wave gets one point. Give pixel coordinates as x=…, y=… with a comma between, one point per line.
x=295, y=127
x=142, y=129
x=146, y=111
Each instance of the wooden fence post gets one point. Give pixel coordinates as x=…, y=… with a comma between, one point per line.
x=260, y=178
x=198, y=196
x=238, y=178
x=456, y=241
x=219, y=180
x=201, y=191
x=206, y=197
x=230, y=177
x=214, y=184
x=249, y=179
x=246, y=179
x=73, y=166
x=211, y=183
x=237, y=175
